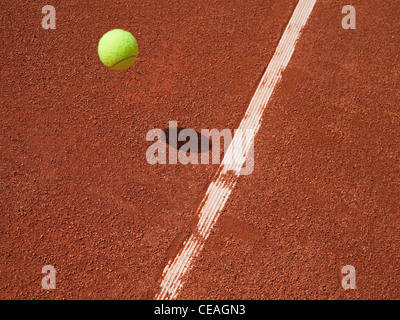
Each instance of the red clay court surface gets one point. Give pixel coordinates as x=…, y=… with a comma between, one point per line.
x=76, y=191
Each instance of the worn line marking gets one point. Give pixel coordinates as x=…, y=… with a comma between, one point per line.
x=225, y=180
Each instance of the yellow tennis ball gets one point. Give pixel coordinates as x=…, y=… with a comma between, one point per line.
x=118, y=49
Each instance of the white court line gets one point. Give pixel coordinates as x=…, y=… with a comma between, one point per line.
x=225, y=180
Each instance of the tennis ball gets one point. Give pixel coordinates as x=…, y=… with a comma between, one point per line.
x=118, y=49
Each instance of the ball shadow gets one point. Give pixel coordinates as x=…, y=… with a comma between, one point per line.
x=201, y=140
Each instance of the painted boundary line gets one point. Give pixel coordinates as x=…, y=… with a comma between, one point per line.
x=226, y=178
